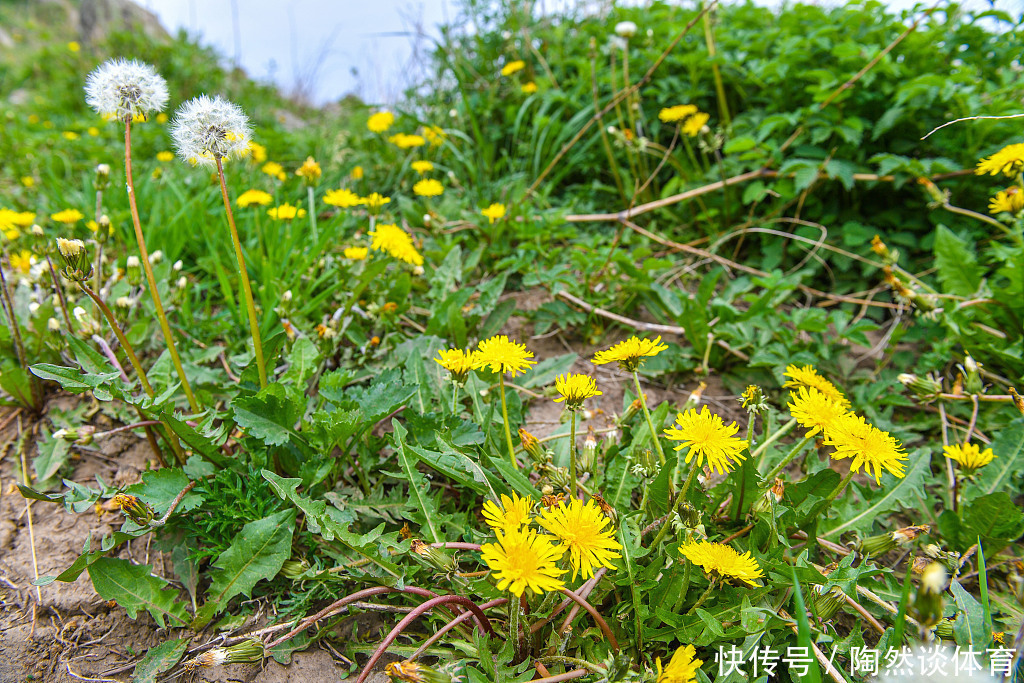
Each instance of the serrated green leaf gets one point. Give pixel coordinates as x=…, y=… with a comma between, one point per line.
x=900, y=492
x=271, y=415
x=958, y=270
x=160, y=487
x=970, y=628
x=257, y=553
x=302, y=363
x=159, y=659
x=419, y=488
x=287, y=489
x=1008, y=445
x=133, y=587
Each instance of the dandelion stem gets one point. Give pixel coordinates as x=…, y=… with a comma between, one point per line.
x=647, y=416
x=684, y=589
x=504, y=416
x=312, y=215
x=165, y=328
x=783, y=430
x=455, y=398
x=513, y=622
x=254, y=325
x=572, y=454
x=788, y=459
x=838, y=489
x=60, y=293
x=701, y=600
x=689, y=481
x=99, y=245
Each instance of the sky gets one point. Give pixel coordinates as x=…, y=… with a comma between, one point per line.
x=329, y=48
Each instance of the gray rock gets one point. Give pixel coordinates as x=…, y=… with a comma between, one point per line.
x=97, y=18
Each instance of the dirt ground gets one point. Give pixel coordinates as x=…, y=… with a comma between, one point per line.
x=66, y=632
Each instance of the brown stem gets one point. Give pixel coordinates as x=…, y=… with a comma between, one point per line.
x=597, y=617
x=452, y=624
x=125, y=344
x=60, y=294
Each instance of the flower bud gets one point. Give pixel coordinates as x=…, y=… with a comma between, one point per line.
x=102, y=176
x=753, y=400
x=293, y=569
x=693, y=401
x=248, y=651
x=414, y=672
x=133, y=271
x=177, y=266
x=765, y=503
x=103, y=229
x=1017, y=400
x=286, y=297
x=588, y=455
x=418, y=270
x=690, y=516
x=123, y=303
x=182, y=282
x=33, y=308
x=77, y=266
x=156, y=257
x=944, y=629
x=826, y=603
x=432, y=557
x=134, y=509
x=631, y=412
x=532, y=446
x=972, y=375
x=625, y=29
x=926, y=388
x=53, y=325
x=927, y=604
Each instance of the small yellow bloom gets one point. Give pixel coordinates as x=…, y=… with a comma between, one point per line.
x=404, y=141
x=422, y=166
x=428, y=187
x=814, y=411
x=357, y=173
x=356, y=253
x=682, y=668
x=69, y=135
x=285, y=212
x=380, y=122
x=707, y=436
x=528, y=88
x=161, y=118
x=581, y=529
x=807, y=376
x=22, y=261
x=574, y=389
x=969, y=456
x=342, y=198
x=28, y=181
x=93, y=131
x=1009, y=161
x=502, y=355
x=493, y=212
x=695, y=124
x=68, y=216
x=524, y=559
x=1010, y=200
x=165, y=156
x=435, y=135
x=630, y=354
x=676, y=113
x=253, y=198
x=723, y=560
x=274, y=170
x=374, y=201
x=257, y=152
x=512, y=515
x=457, y=362
x=396, y=242
x=309, y=171
x=73, y=46
x=513, y=67
x=853, y=437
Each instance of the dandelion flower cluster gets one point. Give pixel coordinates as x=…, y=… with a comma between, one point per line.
x=528, y=88
x=342, y=198
x=707, y=436
x=356, y=253
x=524, y=559
x=374, y=201
x=422, y=166
x=807, y=376
x=583, y=530
x=1010, y=200
x=68, y=216
x=435, y=135
x=512, y=515
x=682, y=668
x=380, y=122
x=493, y=212
x=969, y=456
x=406, y=141
x=457, y=362
x=816, y=412
x=253, y=198
x=206, y=129
x=310, y=171
x=723, y=560
x=630, y=354
x=574, y=389
x=853, y=437
x=125, y=89
x=395, y=242
x=1009, y=161
x=428, y=187
x=677, y=113
x=285, y=212
x=512, y=67
x=695, y=124
x=274, y=170
x=502, y=355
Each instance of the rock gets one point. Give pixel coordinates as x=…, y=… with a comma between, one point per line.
x=97, y=18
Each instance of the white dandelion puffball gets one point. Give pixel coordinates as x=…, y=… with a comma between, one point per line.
x=124, y=89
x=209, y=128
x=625, y=29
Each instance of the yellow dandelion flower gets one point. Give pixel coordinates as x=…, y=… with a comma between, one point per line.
x=69, y=135
x=513, y=67
x=853, y=437
x=502, y=355
x=707, y=436
x=676, y=113
x=1010, y=200
x=457, y=362
x=512, y=515
x=723, y=560
x=682, y=668
x=814, y=411
x=257, y=152
x=357, y=173
x=253, y=198
x=68, y=216
x=22, y=262
x=1009, y=161
x=580, y=528
x=285, y=212
x=356, y=253
x=809, y=377
x=309, y=171
x=493, y=212
x=528, y=88
x=396, y=242
x=73, y=46
x=28, y=181
x=574, y=389
x=93, y=131
x=630, y=354
x=435, y=135
x=695, y=123
x=524, y=559
x=374, y=201
x=969, y=456
x=161, y=118
x=165, y=156
x=428, y=187
x=405, y=141
x=422, y=166
x=380, y=122
x=342, y=198
x=274, y=170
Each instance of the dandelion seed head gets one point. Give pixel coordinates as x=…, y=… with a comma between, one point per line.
x=207, y=128
x=125, y=89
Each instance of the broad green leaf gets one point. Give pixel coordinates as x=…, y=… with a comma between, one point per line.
x=544, y=372
x=419, y=488
x=970, y=628
x=271, y=415
x=302, y=362
x=159, y=488
x=898, y=492
x=76, y=381
x=287, y=489
x=958, y=270
x=994, y=518
x=257, y=553
x=53, y=454
x=133, y=587
x=457, y=466
x=803, y=632
x=159, y=659
x=1008, y=446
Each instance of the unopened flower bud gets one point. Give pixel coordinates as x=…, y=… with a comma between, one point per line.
x=177, y=266
x=944, y=629
x=588, y=455
x=765, y=503
x=156, y=257
x=286, y=297
x=927, y=604
x=625, y=29
x=826, y=603
x=435, y=558
x=33, y=308
x=248, y=651
x=925, y=388
x=754, y=400
x=103, y=229
x=1017, y=400
x=53, y=325
x=36, y=230
x=693, y=400
x=293, y=569
x=532, y=446
x=102, y=176
x=647, y=461
x=133, y=271
x=134, y=509
x=77, y=266
x=972, y=375
x=690, y=516
x=414, y=672
x=418, y=271
x=631, y=412
x=937, y=196
x=182, y=282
